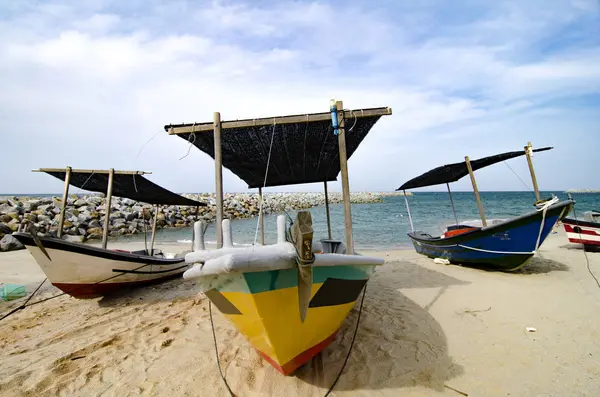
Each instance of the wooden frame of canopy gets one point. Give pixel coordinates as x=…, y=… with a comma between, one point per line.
x=337, y=115
x=109, y=193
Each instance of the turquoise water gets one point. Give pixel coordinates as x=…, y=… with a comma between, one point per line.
x=384, y=225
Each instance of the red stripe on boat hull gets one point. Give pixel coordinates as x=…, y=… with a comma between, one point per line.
x=90, y=291
x=300, y=359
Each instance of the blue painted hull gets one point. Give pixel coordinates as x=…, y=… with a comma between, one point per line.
x=505, y=246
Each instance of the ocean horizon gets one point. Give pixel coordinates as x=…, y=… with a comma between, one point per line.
x=385, y=225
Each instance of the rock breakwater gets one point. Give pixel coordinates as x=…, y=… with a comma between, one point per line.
x=84, y=214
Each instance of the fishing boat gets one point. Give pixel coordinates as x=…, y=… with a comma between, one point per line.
x=85, y=271
x=289, y=299
x=505, y=245
x=585, y=232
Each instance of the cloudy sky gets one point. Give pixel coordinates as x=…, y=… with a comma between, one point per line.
x=88, y=84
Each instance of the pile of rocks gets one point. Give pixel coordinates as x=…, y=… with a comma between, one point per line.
x=84, y=215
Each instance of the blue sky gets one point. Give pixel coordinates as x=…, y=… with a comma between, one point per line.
x=89, y=84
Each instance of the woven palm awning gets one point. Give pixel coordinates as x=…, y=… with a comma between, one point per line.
x=304, y=147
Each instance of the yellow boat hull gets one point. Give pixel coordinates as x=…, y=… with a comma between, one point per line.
x=264, y=307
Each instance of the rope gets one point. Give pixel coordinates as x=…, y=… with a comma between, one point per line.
x=24, y=305
x=144, y=145
x=587, y=260
x=191, y=143
x=544, y=208
x=63, y=293
x=513, y=171
x=351, y=343
x=260, y=209
x=212, y=326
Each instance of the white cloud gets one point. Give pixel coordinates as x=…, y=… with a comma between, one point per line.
x=87, y=87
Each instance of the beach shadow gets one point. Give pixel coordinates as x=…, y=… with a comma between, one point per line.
x=398, y=343
x=580, y=247
x=169, y=290
x=536, y=265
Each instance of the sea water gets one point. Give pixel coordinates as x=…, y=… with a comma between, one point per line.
x=385, y=225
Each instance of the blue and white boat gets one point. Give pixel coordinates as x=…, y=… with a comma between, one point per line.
x=507, y=245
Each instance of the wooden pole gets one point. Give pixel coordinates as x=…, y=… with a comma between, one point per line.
x=530, y=163
x=412, y=227
x=154, y=230
x=476, y=191
x=260, y=217
x=111, y=175
x=218, y=177
x=327, y=211
x=452, y=203
x=345, y=183
x=63, y=207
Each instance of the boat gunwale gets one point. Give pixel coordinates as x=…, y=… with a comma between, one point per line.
x=84, y=249
x=485, y=231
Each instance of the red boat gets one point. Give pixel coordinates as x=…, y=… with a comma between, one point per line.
x=586, y=231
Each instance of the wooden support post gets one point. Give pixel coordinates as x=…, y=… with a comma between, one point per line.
x=345, y=183
x=533, y=179
x=327, y=211
x=218, y=177
x=154, y=230
x=111, y=175
x=63, y=207
x=476, y=191
x=261, y=217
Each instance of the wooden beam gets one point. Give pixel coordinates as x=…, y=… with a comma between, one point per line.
x=327, y=211
x=80, y=171
x=474, y=183
x=154, y=230
x=261, y=216
x=63, y=207
x=294, y=119
x=531, y=171
x=218, y=177
x=345, y=182
x=107, y=208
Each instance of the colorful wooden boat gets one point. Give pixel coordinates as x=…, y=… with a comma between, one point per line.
x=85, y=271
x=585, y=232
x=289, y=299
x=506, y=245
x=257, y=289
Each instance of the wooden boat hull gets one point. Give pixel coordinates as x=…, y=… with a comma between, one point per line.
x=583, y=232
x=84, y=271
x=263, y=306
x=505, y=246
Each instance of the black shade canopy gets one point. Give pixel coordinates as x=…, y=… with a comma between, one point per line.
x=131, y=185
x=304, y=148
x=453, y=172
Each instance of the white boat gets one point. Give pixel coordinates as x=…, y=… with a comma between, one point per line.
x=85, y=271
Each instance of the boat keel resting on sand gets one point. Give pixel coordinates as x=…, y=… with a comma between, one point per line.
x=506, y=245
x=84, y=271
x=290, y=298
x=586, y=232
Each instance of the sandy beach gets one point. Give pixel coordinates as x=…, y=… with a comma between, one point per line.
x=425, y=330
